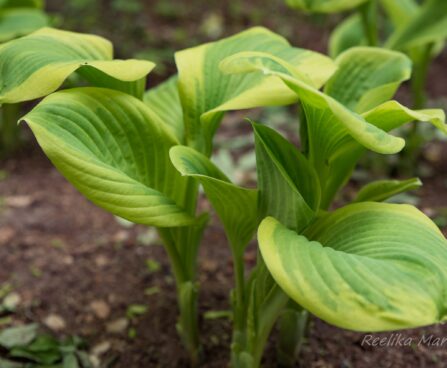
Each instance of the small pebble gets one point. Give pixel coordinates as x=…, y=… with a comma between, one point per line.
x=100, y=308
x=118, y=326
x=55, y=322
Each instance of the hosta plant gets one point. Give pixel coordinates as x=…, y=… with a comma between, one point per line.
x=368, y=266
x=112, y=141
x=142, y=155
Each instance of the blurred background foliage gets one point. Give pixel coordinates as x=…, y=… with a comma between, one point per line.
x=154, y=29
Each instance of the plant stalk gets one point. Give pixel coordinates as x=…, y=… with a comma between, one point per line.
x=293, y=325
x=369, y=14
x=9, y=131
x=269, y=314
x=419, y=100
x=419, y=78
x=239, y=307
x=262, y=309
x=187, y=295
x=239, y=292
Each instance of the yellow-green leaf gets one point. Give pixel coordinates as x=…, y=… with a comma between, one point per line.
x=235, y=206
x=36, y=65
x=366, y=267
x=381, y=190
x=16, y=22
x=206, y=92
x=114, y=150
x=165, y=101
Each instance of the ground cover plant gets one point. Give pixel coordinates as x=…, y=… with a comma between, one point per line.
x=117, y=150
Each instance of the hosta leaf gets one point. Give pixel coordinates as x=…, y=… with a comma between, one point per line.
x=288, y=185
x=36, y=65
x=115, y=150
x=391, y=115
x=347, y=34
x=16, y=22
x=165, y=101
x=367, y=77
x=324, y=6
x=382, y=190
x=206, y=92
x=235, y=206
x=366, y=267
x=400, y=12
x=429, y=25
x=339, y=121
x=337, y=135
x=387, y=116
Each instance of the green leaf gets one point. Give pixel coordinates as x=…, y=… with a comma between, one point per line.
x=347, y=34
x=400, y=12
x=206, y=92
x=114, y=150
x=337, y=134
x=22, y=4
x=70, y=361
x=391, y=115
x=18, y=336
x=367, y=77
x=165, y=101
x=288, y=186
x=428, y=25
x=366, y=267
x=235, y=206
x=16, y=22
x=324, y=6
x=338, y=120
x=382, y=190
x=387, y=116
x=36, y=65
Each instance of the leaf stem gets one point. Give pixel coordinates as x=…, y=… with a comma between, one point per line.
x=369, y=15
x=187, y=295
x=293, y=325
x=269, y=314
x=239, y=312
x=419, y=77
x=419, y=99
x=9, y=131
